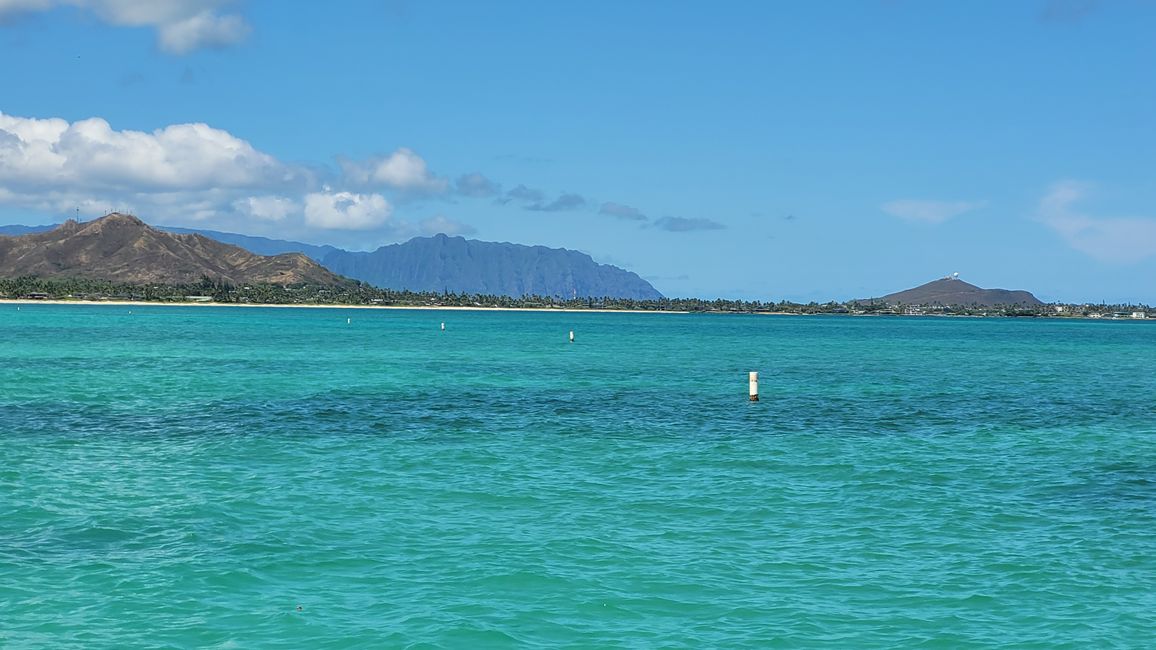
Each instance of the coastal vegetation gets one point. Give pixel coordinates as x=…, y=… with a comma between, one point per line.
x=359, y=293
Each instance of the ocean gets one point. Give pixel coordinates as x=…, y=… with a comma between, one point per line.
x=202, y=477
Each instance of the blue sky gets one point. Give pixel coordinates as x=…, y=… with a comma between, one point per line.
x=763, y=150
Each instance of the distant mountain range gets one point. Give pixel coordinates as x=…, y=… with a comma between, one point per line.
x=122, y=248
x=16, y=231
x=953, y=291
x=453, y=264
x=460, y=265
x=258, y=245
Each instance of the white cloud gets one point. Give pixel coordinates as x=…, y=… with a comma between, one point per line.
x=402, y=170
x=202, y=30
x=201, y=206
x=1109, y=239
x=179, y=173
x=346, y=210
x=62, y=202
x=182, y=25
x=192, y=174
x=405, y=170
x=37, y=153
x=930, y=211
x=266, y=208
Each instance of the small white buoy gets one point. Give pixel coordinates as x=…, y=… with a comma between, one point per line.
x=754, y=386
x=443, y=327
x=348, y=321
x=571, y=336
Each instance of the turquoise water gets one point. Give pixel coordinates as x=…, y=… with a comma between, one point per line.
x=189, y=477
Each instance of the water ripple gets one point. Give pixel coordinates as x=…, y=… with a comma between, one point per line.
x=605, y=495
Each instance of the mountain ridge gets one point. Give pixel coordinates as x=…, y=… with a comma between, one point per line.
x=259, y=245
x=472, y=266
x=953, y=291
x=453, y=263
x=122, y=248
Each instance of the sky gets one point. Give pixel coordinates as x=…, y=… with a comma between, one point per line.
x=818, y=150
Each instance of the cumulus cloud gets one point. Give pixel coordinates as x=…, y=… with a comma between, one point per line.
x=199, y=206
x=39, y=153
x=195, y=175
x=266, y=208
x=1108, y=239
x=930, y=211
x=401, y=170
x=563, y=203
x=181, y=25
x=64, y=202
x=475, y=185
x=202, y=30
x=346, y=210
x=179, y=173
x=620, y=211
x=685, y=224
x=405, y=170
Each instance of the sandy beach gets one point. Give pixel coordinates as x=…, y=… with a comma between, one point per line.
x=141, y=303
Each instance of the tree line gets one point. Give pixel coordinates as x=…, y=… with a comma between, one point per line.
x=360, y=293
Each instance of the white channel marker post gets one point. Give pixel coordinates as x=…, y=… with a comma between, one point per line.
x=754, y=386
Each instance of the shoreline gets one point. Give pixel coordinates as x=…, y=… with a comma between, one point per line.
x=144, y=303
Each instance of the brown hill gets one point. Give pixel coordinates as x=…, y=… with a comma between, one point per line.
x=122, y=248
x=953, y=291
